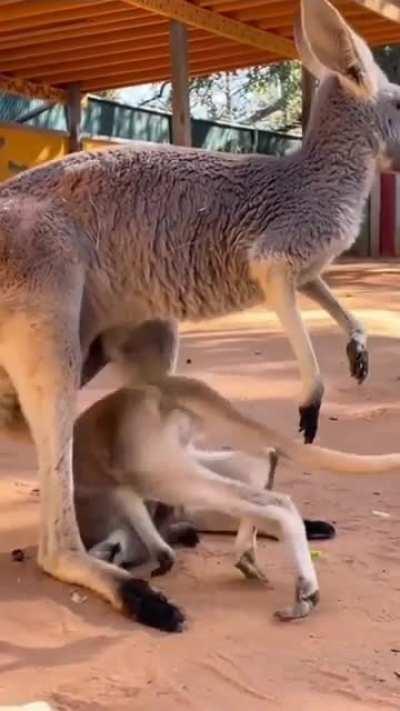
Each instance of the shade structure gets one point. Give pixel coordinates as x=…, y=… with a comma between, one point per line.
x=48, y=45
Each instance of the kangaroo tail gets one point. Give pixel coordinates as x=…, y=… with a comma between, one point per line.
x=244, y=433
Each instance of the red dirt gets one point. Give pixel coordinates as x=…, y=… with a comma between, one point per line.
x=345, y=657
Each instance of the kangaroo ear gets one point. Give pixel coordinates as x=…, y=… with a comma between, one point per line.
x=308, y=59
x=337, y=48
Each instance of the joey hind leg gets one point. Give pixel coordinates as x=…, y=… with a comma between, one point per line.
x=258, y=472
x=139, y=518
x=246, y=547
x=175, y=532
x=125, y=548
x=121, y=547
x=182, y=533
x=42, y=358
x=246, y=538
x=203, y=489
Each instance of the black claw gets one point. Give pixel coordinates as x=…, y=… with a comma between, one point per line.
x=150, y=607
x=114, y=550
x=319, y=530
x=184, y=534
x=309, y=421
x=303, y=594
x=358, y=360
x=166, y=561
x=313, y=598
x=189, y=537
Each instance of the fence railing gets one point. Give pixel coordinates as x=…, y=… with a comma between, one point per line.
x=113, y=119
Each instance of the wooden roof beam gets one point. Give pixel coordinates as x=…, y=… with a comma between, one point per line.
x=17, y=10
x=64, y=33
x=84, y=52
x=219, y=4
x=50, y=18
x=383, y=36
x=390, y=9
x=32, y=90
x=218, y=46
x=90, y=54
x=231, y=5
x=163, y=75
x=108, y=37
x=216, y=23
x=135, y=65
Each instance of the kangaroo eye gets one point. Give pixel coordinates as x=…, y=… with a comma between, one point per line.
x=397, y=105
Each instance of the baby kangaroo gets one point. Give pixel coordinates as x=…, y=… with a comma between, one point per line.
x=137, y=445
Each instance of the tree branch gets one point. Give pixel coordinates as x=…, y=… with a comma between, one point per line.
x=266, y=111
x=156, y=97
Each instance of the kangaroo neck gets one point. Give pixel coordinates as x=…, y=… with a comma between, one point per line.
x=340, y=143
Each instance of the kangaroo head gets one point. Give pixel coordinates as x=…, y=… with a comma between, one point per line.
x=148, y=351
x=329, y=47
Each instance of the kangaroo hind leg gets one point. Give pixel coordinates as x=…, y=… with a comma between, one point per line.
x=246, y=538
x=202, y=488
x=41, y=353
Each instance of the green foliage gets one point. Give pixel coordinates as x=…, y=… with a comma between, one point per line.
x=112, y=94
x=261, y=96
x=388, y=59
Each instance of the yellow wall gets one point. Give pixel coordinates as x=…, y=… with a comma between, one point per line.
x=93, y=144
x=23, y=147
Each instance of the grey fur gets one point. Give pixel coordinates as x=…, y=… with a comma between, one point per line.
x=190, y=224
x=101, y=239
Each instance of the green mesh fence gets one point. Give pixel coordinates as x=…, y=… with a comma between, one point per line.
x=114, y=120
x=222, y=137
x=111, y=119
x=32, y=112
x=13, y=106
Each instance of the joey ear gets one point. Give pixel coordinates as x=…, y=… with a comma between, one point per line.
x=337, y=48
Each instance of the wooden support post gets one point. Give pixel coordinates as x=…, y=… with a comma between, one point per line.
x=181, y=128
x=74, y=108
x=375, y=217
x=307, y=88
x=397, y=217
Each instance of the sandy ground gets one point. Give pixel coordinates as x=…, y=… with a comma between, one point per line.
x=346, y=657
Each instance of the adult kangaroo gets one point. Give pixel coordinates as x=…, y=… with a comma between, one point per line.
x=100, y=239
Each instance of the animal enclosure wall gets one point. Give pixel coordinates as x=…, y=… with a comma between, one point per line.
x=24, y=147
